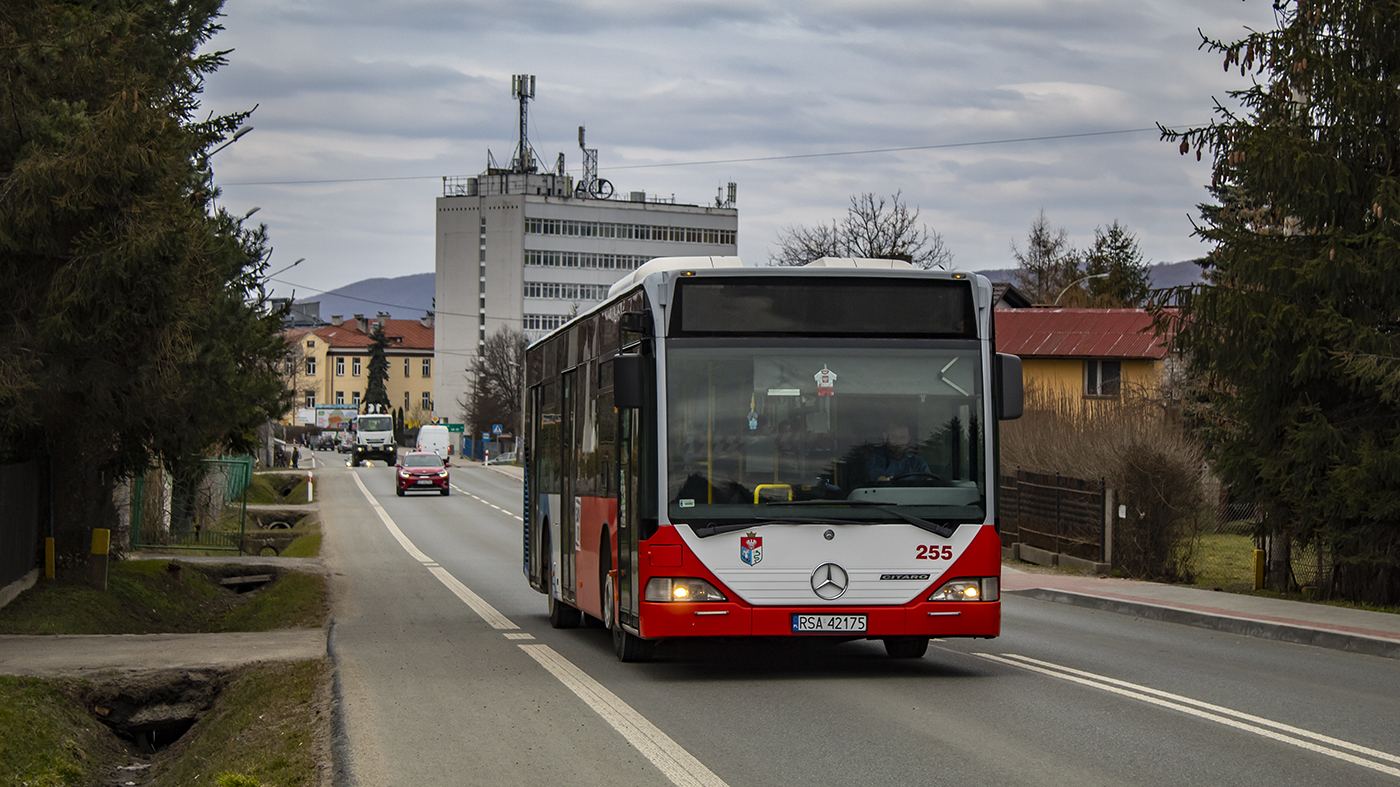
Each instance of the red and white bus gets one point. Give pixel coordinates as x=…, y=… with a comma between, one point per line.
x=721, y=451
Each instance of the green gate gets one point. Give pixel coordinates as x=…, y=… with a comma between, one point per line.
x=206, y=509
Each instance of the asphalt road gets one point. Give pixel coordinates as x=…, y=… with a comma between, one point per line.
x=450, y=674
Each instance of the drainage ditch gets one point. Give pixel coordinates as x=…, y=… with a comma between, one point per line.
x=154, y=711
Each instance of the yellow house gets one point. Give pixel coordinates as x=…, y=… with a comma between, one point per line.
x=1089, y=353
x=330, y=364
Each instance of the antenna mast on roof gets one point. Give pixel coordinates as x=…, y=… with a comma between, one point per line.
x=590, y=185
x=522, y=87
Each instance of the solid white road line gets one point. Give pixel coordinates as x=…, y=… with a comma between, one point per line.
x=1205, y=710
x=677, y=764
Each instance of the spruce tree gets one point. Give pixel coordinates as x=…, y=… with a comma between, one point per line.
x=1116, y=258
x=134, y=327
x=375, y=390
x=1295, y=339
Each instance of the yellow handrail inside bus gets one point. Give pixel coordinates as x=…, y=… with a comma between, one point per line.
x=759, y=490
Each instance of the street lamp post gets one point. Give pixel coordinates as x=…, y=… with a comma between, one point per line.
x=283, y=270
x=1056, y=302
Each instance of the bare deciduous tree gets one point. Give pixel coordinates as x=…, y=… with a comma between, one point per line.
x=499, y=370
x=872, y=228
x=1048, y=265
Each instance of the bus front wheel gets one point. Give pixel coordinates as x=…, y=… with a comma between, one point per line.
x=630, y=647
x=906, y=647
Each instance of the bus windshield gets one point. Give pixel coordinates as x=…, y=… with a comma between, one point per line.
x=789, y=430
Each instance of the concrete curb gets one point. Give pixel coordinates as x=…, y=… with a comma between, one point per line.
x=1230, y=624
x=13, y=590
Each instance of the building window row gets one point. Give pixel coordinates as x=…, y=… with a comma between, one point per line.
x=544, y=322
x=560, y=291
x=575, y=259
x=606, y=229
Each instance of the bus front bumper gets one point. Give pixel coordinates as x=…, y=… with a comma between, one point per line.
x=723, y=619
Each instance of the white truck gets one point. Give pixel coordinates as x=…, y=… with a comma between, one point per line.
x=374, y=438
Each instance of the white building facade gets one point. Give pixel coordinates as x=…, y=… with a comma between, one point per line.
x=519, y=250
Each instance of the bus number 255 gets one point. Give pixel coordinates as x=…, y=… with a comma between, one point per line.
x=934, y=552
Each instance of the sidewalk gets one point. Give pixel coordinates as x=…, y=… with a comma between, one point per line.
x=85, y=656
x=1320, y=625
x=518, y=473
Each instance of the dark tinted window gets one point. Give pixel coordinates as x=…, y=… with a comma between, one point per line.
x=831, y=307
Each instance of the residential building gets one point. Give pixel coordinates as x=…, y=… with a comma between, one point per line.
x=1089, y=353
x=330, y=364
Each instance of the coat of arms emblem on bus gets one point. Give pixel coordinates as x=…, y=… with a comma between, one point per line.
x=751, y=549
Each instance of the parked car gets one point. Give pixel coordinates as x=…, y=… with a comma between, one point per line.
x=421, y=471
x=507, y=458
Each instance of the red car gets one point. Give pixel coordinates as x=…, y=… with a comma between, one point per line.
x=421, y=471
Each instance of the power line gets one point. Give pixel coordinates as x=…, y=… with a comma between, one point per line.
x=892, y=150
x=785, y=157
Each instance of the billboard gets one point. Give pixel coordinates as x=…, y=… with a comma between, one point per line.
x=334, y=416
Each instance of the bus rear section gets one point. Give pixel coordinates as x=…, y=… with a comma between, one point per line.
x=802, y=452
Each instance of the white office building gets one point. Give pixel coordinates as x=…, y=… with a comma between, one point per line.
x=521, y=249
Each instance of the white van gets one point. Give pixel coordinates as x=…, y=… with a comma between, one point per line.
x=435, y=438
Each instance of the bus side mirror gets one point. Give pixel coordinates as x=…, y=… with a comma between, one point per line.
x=1012, y=401
x=628, y=380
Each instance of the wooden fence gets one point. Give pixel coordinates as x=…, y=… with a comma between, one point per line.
x=1055, y=513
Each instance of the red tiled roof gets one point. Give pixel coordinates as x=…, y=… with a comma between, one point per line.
x=410, y=335
x=1078, y=333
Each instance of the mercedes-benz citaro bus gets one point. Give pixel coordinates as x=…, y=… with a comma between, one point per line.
x=727, y=451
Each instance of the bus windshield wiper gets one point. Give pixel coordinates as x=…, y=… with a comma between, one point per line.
x=937, y=528
x=713, y=529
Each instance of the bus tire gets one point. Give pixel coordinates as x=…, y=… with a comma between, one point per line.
x=629, y=647
x=906, y=647
x=561, y=615
x=607, y=593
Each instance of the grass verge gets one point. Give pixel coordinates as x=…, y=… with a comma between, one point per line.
x=308, y=545
x=270, y=726
x=145, y=597
x=46, y=739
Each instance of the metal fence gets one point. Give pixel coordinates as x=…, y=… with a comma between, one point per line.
x=205, y=510
x=1055, y=513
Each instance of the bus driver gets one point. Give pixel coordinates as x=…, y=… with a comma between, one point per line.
x=895, y=458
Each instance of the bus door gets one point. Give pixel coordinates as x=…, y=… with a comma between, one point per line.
x=627, y=526
x=568, y=512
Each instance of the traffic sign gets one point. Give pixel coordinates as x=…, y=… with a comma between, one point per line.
x=495, y=428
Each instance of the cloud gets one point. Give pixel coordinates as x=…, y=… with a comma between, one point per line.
x=422, y=89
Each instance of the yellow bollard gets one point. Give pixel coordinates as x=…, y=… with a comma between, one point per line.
x=97, y=561
x=1258, y=569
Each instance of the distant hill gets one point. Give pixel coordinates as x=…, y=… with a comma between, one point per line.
x=408, y=297
x=403, y=297
x=1165, y=274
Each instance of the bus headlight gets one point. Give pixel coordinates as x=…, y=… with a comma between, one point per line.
x=681, y=589
x=984, y=589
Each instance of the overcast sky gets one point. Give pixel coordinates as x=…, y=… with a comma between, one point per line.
x=379, y=99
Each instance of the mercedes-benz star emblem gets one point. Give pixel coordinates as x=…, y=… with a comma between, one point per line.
x=829, y=581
